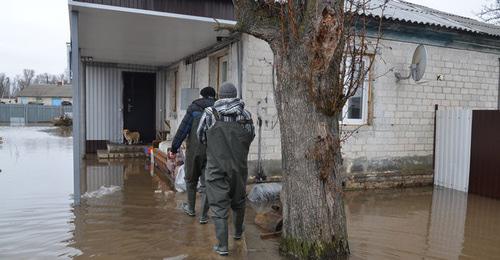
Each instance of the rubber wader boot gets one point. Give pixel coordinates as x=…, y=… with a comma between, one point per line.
x=195, y=166
x=238, y=218
x=221, y=233
x=189, y=206
x=204, y=200
x=226, y=174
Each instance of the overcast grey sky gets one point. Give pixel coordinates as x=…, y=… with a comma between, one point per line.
x=33, y=33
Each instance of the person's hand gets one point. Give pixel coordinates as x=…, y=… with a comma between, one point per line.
x=171, y=155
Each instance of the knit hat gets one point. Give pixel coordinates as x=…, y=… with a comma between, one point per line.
x=207, y=92
x=228, y=90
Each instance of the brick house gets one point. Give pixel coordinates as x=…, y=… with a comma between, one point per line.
x=179, y=53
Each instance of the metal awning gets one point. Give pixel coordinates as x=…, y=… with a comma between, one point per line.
x=135, y=36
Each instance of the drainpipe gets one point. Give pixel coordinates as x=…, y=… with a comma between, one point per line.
x=239, y=57
x=83, y=112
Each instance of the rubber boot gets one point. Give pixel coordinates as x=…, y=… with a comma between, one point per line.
x=221, y=233
x=191, y=200
x=204, y=209
x=238, y=219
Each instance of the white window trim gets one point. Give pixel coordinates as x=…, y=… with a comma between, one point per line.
x=365, y=105
x=364, y=113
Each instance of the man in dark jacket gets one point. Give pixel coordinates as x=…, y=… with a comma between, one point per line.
x=196, y=157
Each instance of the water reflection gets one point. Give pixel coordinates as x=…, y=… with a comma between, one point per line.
x=61, y=131
x=424, y=222
x=141, y=221
x=35, y=186
x=98, y=174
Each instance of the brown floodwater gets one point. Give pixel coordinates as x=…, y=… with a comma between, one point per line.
x=130, y=212
x=422, y=223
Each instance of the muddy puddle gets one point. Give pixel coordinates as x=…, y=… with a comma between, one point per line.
x=129, y=212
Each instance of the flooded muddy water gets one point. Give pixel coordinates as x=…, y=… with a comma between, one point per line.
x=129, y=212
x=422, y=223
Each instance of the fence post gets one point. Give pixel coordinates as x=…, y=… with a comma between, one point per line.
x=26, y=121
x=436, y=108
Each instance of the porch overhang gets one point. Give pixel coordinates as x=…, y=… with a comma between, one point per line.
x=134, y=36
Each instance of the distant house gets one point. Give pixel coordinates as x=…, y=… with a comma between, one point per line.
x=49, y=95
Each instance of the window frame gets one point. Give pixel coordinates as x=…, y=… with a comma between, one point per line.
x=366, y=100
x=224, y=57
x=174, y=94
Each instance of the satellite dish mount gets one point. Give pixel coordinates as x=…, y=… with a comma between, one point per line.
x=417, y=67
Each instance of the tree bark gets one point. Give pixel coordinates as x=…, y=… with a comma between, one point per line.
x=314, y=225
x=311, y=43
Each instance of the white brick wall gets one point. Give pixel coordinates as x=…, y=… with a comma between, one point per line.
x=184, y=81
x=257, y=85
x=402, y=113
x=204, y=76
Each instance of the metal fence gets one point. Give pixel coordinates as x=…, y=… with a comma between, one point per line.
x=453, y=142
x=31, y=113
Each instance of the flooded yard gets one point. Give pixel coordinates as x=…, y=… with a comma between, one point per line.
x=138, y=217
x=422, y=223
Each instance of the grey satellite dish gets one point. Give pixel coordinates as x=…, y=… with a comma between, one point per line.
x=418, y=63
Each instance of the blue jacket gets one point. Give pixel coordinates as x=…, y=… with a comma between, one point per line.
x=194, y=110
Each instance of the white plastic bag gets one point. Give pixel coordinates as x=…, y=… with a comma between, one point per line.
x=180, y=183
x=163, y=146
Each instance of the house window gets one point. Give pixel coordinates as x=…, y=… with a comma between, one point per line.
x=173, y=95
x=222, y=70
x=355, y=111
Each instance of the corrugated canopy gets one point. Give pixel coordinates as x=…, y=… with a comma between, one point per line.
x=47, y=91
x=398, y=10
x=135, y=36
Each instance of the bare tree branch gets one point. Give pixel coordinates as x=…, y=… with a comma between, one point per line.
x=258, y=18
x=491, y=13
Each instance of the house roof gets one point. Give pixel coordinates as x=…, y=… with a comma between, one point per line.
x=47, y=91
x=398, y=10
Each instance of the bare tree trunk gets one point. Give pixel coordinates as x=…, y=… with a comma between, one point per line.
x=319, y=47
x=313, y=210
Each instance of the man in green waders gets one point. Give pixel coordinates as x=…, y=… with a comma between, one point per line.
x=228, y=130
x=196, y=157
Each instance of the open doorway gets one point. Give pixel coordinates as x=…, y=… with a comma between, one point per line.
x=139, y=104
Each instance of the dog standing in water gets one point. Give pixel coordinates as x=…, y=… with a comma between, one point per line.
x=131, y=137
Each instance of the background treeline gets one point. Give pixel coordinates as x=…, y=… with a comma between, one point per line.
x=11, y=86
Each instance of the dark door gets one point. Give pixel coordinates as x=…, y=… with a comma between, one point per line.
x=484, y=175
x=139, y=104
